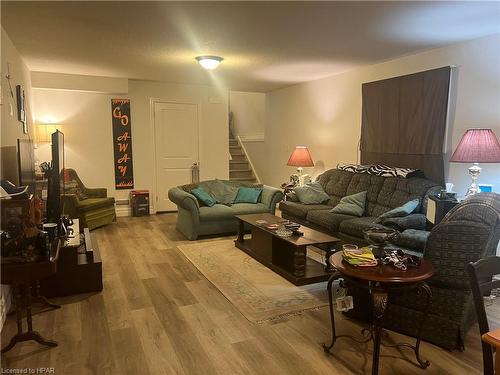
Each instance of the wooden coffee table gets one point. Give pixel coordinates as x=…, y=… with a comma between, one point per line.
x=287, y=256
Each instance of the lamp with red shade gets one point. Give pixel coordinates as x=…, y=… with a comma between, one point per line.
x=300, y=158
x=477, y=146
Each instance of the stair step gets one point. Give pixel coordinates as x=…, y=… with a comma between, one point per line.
x=233, y=142
x=241, y=174
x=235, y=147
x=243, y=179
x=238, y=157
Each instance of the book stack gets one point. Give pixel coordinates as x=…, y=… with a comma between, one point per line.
x=359, y=257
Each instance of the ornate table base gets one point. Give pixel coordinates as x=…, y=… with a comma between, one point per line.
x=379, y=293
x=23, y=301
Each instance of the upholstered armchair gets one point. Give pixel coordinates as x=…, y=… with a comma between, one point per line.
x=469, y=232
x=91, y=206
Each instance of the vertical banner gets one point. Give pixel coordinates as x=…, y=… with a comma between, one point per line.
x=122, y=144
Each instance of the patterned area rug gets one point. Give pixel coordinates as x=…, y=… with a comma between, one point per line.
x=257, y=292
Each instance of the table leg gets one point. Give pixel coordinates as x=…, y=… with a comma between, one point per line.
x=43, y=300
x=334, y=277
x=299, y=261
x=427, y=290
x=328, y=254
x=241, y=231
x=379, y=300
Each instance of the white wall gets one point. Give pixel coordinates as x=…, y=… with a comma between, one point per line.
x=11, y=128
x=325, y=115
x=86, y=120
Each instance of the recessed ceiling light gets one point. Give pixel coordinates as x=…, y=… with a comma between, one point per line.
x=209, y=62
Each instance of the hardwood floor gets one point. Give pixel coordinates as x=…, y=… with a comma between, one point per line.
x=159, y=315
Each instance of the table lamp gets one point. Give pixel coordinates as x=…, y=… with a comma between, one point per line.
x=477, y=146
x=300, y=158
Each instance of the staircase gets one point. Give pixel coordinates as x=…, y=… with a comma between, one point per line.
x=239, y=167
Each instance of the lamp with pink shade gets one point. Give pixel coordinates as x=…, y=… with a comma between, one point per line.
x=477, y=146
x=300, y=158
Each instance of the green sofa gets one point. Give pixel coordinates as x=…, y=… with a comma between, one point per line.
x=194, y=220
x=91, y=206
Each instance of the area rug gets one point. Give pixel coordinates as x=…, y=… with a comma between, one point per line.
x=257, y=292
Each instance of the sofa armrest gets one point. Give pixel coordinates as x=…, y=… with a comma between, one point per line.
x=96, y=192
x=184, y=199
x=70, y=205
x=271, y=196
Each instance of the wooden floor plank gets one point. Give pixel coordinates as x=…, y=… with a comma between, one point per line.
x=158, y=314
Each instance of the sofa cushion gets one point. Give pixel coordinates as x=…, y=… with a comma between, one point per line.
x=311, y=193
x=353, y=205
x=249, y=208
x=222, y=192
x=95, y=203
x=327, y=220
x=248, y=195
x=216, y=212
x=355, y=227
x=400, y=211
x=300, y=210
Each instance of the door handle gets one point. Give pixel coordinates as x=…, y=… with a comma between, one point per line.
x=195, y=173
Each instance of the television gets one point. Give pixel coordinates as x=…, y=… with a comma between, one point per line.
x=55, y=179
x=26, y=164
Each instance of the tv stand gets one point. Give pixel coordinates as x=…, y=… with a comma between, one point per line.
x=79, y=266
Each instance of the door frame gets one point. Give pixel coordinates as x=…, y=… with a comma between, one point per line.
x=152, y=103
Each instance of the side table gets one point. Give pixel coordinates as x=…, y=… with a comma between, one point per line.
x=380, y=281
x=22, y=277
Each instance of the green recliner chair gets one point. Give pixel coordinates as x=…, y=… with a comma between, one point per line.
x=91, y=206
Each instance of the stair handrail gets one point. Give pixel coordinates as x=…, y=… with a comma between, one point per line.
x=240, y=142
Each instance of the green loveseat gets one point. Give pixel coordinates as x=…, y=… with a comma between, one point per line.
x=194, y=219
x=91, y=206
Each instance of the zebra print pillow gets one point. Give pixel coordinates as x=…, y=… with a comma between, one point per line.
x=379, y=170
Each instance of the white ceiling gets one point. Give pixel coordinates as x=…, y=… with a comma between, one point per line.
x=266, y=45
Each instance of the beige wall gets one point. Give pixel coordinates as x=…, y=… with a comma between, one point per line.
x=325, y=115
x=11, y=128
x=86, y=120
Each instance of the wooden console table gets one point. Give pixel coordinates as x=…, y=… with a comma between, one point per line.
x=287, y=256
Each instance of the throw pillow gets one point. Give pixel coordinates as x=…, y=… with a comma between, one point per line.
x=248, y=195
x=222, y=192
x=400, y=211
x=353, y=205
x=203, y=196
x=311, y=193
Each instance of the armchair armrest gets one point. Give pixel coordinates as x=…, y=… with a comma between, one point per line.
x=184, y=199
x=70, y=204
x=96, y=192
x=271, y=196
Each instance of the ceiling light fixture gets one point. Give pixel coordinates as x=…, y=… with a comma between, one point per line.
x=209, y=62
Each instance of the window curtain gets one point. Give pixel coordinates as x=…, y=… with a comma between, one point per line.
x=404, y=121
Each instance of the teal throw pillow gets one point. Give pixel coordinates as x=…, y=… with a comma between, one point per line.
x=400, y=211
x=353, y=205
x=311, y=193
x=203, y=196
x=248, y=195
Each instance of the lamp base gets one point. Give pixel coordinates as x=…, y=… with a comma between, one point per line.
x=474, y=171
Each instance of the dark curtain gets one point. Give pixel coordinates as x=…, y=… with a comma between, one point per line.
x=404, y=122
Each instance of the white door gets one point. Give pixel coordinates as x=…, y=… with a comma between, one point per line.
x=176, y=148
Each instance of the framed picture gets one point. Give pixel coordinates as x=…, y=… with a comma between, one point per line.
x=21, y=110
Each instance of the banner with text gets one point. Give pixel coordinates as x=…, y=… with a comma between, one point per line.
x=122, y=144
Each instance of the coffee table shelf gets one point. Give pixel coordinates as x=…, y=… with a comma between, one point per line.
x=287, y=256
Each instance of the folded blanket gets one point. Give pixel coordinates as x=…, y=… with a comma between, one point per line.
x=380, y=170
x=413, y=221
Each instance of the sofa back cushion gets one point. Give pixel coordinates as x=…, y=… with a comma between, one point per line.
x=383, y=193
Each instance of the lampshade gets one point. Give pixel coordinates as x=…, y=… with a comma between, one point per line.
x=44, y=132
x=300, y=158
x=477, y=146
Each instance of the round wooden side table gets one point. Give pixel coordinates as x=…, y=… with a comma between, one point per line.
x=381, y=281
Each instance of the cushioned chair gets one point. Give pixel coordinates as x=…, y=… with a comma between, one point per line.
x=469, y=232
x=91, y=206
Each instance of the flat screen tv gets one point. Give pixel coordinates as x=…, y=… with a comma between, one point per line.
x=26, y=164
x=55, y=182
